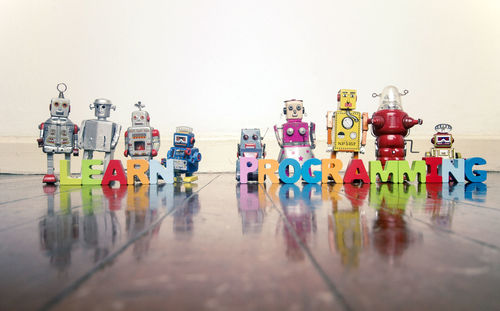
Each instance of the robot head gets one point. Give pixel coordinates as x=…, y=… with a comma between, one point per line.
x=390, y=98
x=294, y=109
x=442, y=139
x=346, y=99
x=250, y=139
x=140, y=117
x=184, y=137
x=60, y=107
x=102, y=108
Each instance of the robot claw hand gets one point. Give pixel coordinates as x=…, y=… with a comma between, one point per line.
x=76, y=152
x=329, y=148
x=40, y=142
x=362, y=149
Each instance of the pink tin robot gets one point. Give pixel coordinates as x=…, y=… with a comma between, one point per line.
x=297, y=138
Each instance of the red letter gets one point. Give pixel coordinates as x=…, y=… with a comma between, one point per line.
x=109, y=176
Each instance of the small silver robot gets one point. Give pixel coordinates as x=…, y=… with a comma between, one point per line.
x=58, y=134
x=100, y=134
x=141, y=140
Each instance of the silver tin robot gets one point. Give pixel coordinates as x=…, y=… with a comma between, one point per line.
x=58, y=135
x=141, y=140
x=100, y=134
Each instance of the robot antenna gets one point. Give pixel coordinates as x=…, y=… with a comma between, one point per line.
x=61, y=90
x=139, y=105
x=375, y=95
x=404, y=92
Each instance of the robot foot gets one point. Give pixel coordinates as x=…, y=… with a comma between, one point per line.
x=190, y=178
x=49, y=179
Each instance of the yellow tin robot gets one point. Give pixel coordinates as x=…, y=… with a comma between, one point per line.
x=345, y=126
x=443, y=143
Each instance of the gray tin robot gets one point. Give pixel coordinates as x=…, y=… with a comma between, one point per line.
x=141, y=140
x=58, y=134
x=100, y=134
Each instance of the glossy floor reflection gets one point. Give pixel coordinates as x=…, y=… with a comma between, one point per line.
x=222, y=246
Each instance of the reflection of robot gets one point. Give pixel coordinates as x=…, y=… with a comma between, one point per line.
x=101, y=134
x=59, y=231
x=297, y=137
x=251, y=205
x=390, y=124
x=300, y=216
x=443, y=143
x=58, y=134
x=185, y=156
x=250, y=146
x=141, y=140
x=346, y=137
x=347, y=228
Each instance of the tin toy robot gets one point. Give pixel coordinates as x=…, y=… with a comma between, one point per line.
x=141, y=140
x=100, y=134
x=390, y=125
x=250, y=146
x=443, y=143
x=58, y=134
x=347, y=125
x=297, y=138
x=186, y=157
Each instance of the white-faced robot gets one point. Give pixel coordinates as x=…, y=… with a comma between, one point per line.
x=100, y=134
x=141, y=140
x=58, y=134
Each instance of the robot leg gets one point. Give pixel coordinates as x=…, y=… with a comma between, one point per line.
x=88, y=154
x=50, y=178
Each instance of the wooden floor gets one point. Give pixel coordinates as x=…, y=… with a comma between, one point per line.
x=223, y=246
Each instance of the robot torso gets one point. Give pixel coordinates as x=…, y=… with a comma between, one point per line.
x=58, y=135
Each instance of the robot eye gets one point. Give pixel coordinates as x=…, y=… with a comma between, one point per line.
x=245, y=137
x=298, y=108
x=135, y=117
x=65, y=105
x=352, y=95
x=56, y=104
x=344, y=95
x=142, y=117
x=102, y=107
x=290, y=108
x=254, y=137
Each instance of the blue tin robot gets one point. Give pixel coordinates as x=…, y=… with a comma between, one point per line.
x=185, y=156
x=250, y=146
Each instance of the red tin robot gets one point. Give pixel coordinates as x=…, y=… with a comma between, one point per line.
x=390, y=125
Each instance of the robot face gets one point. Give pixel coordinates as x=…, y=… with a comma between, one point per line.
x=347, y=99
x=102, y=108
x=250, y=139
x=443, y=140
x=294, y=109
x=183, y=140
x=59, y=107
x=390, y=98
x=140, y=118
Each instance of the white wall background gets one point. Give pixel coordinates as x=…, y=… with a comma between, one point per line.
x=225, y=64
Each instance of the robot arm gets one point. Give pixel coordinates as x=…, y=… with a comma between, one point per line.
x=80, y=135
x=156, y=142
x=195, y=156
x=410, y=122
x=125, y=152
x=116, y=135
x=330, y=119
x=170, y=153
x=75, y=141
x=278, y=137
x=40, y=138
x=376, y=121
x=312, y=134
x=364, y=130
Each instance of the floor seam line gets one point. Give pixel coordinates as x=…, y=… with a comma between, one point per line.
x=331, y=286
x=77, y=283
